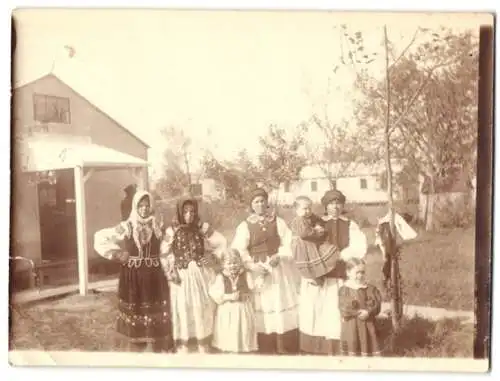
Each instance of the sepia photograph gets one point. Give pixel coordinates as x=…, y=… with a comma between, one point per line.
x=193, y=186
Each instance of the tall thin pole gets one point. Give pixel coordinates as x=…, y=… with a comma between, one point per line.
x=81, y=231
x=395, y=289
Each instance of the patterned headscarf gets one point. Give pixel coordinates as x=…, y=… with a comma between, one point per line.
x=180, y=212
x=143, y=228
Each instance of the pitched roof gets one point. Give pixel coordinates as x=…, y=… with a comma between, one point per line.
x=95, y=96
x=343, y=170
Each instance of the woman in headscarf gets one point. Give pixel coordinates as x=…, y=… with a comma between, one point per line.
x=263, y=240
x=143, y=290
x=189, y=267
x=319, y=316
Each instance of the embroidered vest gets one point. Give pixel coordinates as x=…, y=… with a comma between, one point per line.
x=264, y=239
x=241, y=284
x=149, y=255
x=188, y=245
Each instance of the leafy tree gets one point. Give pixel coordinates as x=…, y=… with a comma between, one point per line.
x=408, y=87
x=228, y=179
x=280, y=160
x=176, y=179
x=433, y=113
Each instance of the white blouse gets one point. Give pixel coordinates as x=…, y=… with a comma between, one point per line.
x=358, y=245
x=242, y=239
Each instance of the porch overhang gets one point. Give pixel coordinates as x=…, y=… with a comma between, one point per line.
x=83, y=156
x=39, y=156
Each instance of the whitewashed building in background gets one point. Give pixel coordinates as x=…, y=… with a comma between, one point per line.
x=361, y=184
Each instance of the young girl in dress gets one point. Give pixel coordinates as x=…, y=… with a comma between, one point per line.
x=234, y=327
x=360, y=304
x=189, y=268
x=314, y=256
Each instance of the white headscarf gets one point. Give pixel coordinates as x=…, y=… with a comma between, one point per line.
x=143, y=227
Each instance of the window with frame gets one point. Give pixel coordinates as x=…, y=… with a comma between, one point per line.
x=314, y=186
x=51, y=109
x=363, y=184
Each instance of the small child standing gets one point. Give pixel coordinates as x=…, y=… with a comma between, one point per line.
x=360, y=303
x=234, y=327
x=314, y=256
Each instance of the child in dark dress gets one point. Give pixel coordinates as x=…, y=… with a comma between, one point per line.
x=314, y=255
x=360, y=304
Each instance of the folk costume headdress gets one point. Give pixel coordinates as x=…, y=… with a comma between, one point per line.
x=143, y=228
x=259, y=192
x=180, y=213
x=333, y=196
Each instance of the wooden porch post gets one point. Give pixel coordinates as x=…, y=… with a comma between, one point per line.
x=81, y=231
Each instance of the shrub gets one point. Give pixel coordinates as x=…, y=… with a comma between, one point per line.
x=420, y=337
x=456, y=213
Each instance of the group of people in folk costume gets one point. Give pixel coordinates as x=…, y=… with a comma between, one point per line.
x=274, y=290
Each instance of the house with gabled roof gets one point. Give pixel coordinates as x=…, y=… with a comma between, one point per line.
x=71, y=162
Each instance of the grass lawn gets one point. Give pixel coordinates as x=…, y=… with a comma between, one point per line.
x=437, y=271
x=87, y=324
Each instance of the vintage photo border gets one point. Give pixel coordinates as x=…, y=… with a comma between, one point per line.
x=483, y=291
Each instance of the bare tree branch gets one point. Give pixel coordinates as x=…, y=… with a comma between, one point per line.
x=403, y=52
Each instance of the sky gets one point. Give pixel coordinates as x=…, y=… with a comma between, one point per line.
x=230, y=73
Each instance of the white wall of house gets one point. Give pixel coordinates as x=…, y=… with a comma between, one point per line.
x=359, y=189
x=360, y=185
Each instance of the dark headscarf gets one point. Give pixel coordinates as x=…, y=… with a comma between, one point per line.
x=257, y=192
x=180, y=213
x=332, y=196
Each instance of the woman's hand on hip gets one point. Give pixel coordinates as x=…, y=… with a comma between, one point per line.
x=121, y=256
x=274, y=260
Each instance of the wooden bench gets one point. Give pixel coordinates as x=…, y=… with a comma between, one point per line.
x=28, y=274
x=46, y=270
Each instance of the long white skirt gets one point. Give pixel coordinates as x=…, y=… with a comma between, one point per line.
x=319, y=313
x=192, y=308
x=276, y=305
x=234, y=328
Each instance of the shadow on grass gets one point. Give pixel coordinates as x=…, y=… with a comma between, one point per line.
x=420, y=337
